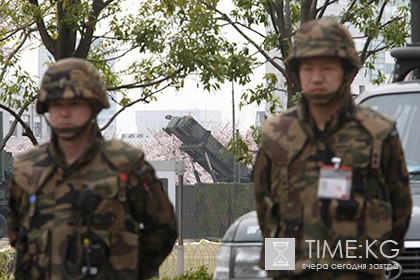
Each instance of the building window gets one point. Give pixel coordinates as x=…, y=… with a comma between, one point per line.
x=389, y=68
x=37, y=126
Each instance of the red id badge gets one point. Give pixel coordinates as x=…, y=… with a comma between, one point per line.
x=335, y=182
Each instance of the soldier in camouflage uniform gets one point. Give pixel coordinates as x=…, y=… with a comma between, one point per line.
x=81, y=207
x=326, y=139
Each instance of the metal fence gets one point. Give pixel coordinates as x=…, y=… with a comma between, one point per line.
x=209, y=209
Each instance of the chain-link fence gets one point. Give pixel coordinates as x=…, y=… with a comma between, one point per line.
x=195, y=254
x=209, y=209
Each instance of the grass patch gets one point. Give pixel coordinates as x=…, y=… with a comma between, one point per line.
x=197, y=255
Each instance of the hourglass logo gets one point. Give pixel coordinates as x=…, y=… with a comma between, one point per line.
x=279, y=254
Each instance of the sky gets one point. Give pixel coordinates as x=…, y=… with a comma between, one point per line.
x=192, y=98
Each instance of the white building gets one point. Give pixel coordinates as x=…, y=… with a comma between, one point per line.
x=36, y=122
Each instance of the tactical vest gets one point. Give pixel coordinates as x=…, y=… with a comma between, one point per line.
x=110, y=149
x=118, y=230
x=293, y=138
x=283, y=141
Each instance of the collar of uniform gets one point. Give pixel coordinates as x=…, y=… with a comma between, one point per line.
x=94, y=143
x=345, y=112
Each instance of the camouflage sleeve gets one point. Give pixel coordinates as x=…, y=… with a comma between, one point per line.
x=18, y=206
x=155, y=213
x=261, y=180
x=397, y=180
x=16, y=196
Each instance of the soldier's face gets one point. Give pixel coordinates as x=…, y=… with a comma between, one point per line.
x=320, y=78
x=65, y=115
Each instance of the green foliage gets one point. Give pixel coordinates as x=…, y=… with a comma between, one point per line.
x=6, y=264
x=264, y=93
x=251, y=12
x=164, y=43
x=374, y=24
x=397, y=31
x=296, y=98
x=256, y=133
x=20, y=89
x=182, y=38
x=240, y=148
x=200, y=273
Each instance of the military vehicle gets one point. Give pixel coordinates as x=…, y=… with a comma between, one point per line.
x=207, y=151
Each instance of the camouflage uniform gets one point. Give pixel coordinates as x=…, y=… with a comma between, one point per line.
x=127, y=217
x=287, y=170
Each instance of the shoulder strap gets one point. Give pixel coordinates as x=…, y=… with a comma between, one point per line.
x=378, y=126
x=124, y=158
x=121, y=155
x=283, y=139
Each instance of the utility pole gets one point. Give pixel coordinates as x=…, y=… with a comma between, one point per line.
x=2, y=179
x=415, y=22
x=234, y=133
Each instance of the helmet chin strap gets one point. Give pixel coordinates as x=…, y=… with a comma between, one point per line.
x=327, y=99
x=71, y=133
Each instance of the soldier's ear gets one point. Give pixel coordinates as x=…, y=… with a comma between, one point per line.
x=349, y=76
x=349, y=71
x=352, y=75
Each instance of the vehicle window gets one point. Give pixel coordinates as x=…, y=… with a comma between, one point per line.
x=416, y=200
x=405, y=109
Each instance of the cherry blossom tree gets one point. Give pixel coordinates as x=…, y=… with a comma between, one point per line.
x=162, y=146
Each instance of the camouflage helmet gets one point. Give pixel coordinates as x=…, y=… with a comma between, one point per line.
x=323, y=38
x=72, y=78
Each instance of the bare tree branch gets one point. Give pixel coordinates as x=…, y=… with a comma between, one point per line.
x=27, y=130
x=369, y=39
x=151, y=83
x=321, y=11
x=144, y=99
x=261, y=51
x=48, y=41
